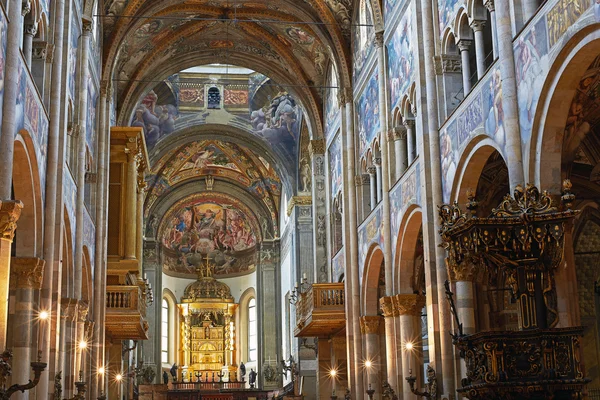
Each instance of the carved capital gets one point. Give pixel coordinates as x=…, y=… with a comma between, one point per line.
x=464, y=44
x=399, y=132
x=316, y=147
x=477, y=25
x=377, y=161
x=387, y=306
x=298, y=201
x=82, y=311
x=10, y=211
x=489, y=4
x=467, y=271
x=68, y=308
x=347, y=94
x=369, y=324
x=409, y=124
x=26, y=273
x=25, y=7
x=371, y=170
x=360, y=180
x=91, y=177
x=378, y=40
x=409, y=304
x=86, y=26
x=30, y=29
x=40, y=50
x=74, y=130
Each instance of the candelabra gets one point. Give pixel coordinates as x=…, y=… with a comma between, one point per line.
x=299, y=290
x=198, y=376
x=431, y=392
x=81, y=388
x=220, y=375
x=370, y=392
x=5, y=371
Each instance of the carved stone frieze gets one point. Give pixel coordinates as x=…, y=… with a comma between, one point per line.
x=26, y=272
x=409, y=304
x=369, y=324
x=10, y=211
x=298, y=201
x=451, y=64
x=387, y=307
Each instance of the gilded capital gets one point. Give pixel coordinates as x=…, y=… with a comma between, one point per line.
x=10, y=211
x=467, y=271
x=369, y=324
x=409, y=304
x=26, y=273
x=68, y=308
x=387, y=306
x=298, y=201
x=316, y=147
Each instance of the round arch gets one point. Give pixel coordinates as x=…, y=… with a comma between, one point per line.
x=370, y=282
x=242, y=322
x=67, y=272
x=405, y=269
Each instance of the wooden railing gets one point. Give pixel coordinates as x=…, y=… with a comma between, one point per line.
x=125, y=298
x=178, y=386
x=320, y=298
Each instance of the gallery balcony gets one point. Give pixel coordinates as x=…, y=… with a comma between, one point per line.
x=320, y=311
x=126, y=312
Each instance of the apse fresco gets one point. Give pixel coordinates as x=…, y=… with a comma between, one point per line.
x=401, y=60
x=276, y=119
x=212, y=225
x=447, y=10
x=367, y=109
x=335, y=165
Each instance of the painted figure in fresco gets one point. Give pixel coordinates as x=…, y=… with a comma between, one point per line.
x=448, y=165
x=529, y=69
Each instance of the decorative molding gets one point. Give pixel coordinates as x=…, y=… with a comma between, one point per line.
x=26, y=273
x=316, y=147
x=409, y=304
x=68, y=308
x=464, y=44
x=298, y=201
x=469, y=270
x=360, y=180
x=450, y=64
x=371, y=170
x=86, y=26
x=10, y=211
x=369, y=324
x=82, y=311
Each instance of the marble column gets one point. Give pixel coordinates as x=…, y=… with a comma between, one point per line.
x=411, y=144
x=352, y=279
x=369, y=327
x=68, y=345
x=530, y=7
x=10, y=211
x=477, y=27
x=362, y=183
x=316, y=149
x=400, y=148
x=464, y=46
x=389, y=312
x=513, y=151
x=130, y=204
x=139, y=250
x=16, y=10
x=81, y=336
x=377, y=164
x=43, y=389
x=489, y=4
x=372, y=186
x=29, y=34
x=98, y=357
x=409, y=308
x=25, y=279
x=439, y=318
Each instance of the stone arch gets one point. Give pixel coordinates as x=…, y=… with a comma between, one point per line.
x=67, y=263
x=27, y=188
x=470, y=166
x=86, y=276
x=545, y=147
x=406, y=270
x=370, y=281
x=461, y=26
x=449, y=42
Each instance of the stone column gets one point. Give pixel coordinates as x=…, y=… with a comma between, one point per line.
x=411, y=144
x=130, y=205
x=377, y=163
x=477, y=27
x=10, y=211
x=530, y=7
x=25, y=278
x=68, y=345
x=352, y=281
x=373, y=186
x=369, y=327
x=141, y=191
x=512, y=128
x=492, y=9
x=50, y=209
x=361, y=182
x=316, y=148
x=399, y=136
x=389, y=312
x=409, y=307
x=463, y=46
x=30, y=31
x=437, y=310
x=81, y=336
x=16, y=10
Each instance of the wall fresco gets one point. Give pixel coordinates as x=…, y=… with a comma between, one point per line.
x=404, y=194
x=70, y=199
x=89, y=237
x=371, y=231
x=36, y=123
x=362, y=39
x=335, y=166
x=367, y=110
x=72, y=55
x=338, y=266
x=400, y=59
x=332, y=108
x=446, y=11
x=90, y=126
x=214, y=225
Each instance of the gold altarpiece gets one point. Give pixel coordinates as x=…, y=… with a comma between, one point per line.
x=208, y=328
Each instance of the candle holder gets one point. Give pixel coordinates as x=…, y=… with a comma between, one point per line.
x=198, y=376
x=370, y=392
x=220, y=375
x=6, y=370
x=102, y=396
x=431, y=392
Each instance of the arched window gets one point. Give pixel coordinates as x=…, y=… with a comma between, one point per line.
x=252, y=331
x=164, y=333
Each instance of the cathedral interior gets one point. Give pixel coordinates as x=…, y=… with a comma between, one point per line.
x=317, y=199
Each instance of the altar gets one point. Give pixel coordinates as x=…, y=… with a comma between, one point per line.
x=208, y=329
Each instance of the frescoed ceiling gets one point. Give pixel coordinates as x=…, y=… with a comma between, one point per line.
x=288, y=41
x=220, y=160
